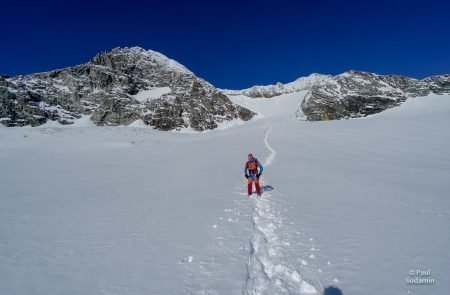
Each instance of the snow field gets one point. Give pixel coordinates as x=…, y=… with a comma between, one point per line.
x=355, y=204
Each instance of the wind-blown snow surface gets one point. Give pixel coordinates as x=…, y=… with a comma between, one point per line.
x=355, y=203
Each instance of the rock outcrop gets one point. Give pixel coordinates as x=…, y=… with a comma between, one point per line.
x=356, y=94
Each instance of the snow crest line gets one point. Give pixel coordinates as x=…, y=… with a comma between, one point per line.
x=268, y=271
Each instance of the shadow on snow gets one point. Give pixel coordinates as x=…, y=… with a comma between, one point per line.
x=266, y=188
x=332, y=291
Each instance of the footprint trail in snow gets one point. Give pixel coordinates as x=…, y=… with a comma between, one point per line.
x=268, y=270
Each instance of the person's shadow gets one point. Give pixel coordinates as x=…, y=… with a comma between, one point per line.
x=332, y=291
x=267, y=188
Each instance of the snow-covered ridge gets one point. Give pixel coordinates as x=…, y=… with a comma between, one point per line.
x=350, y=94
x=315, y=79
x=125, y=85
x=302, y=83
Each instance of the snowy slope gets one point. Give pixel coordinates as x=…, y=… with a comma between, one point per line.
x=124, y=210
x=279, y=108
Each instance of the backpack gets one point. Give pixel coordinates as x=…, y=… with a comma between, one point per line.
x=255, y=164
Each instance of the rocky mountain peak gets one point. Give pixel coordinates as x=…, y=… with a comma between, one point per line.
x=118, y=87
x=119, y=57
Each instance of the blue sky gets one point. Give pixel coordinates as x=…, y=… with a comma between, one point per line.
x=234, y=44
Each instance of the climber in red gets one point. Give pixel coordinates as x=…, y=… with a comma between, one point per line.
x=252, y=174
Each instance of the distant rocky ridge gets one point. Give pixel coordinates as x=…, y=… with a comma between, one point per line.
x=351, y=94
x=129, y=84
x=118, y=88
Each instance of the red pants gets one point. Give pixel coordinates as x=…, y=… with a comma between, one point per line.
x=250, y=183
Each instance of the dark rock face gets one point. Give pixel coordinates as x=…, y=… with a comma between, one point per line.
x=118, y=88
x=350, y=95
x=439, y=84
x=358, y=94
x=114, y=112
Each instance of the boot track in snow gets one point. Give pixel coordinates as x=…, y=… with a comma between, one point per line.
x=268, y=271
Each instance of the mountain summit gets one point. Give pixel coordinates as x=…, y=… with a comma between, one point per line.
x=117, y=88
